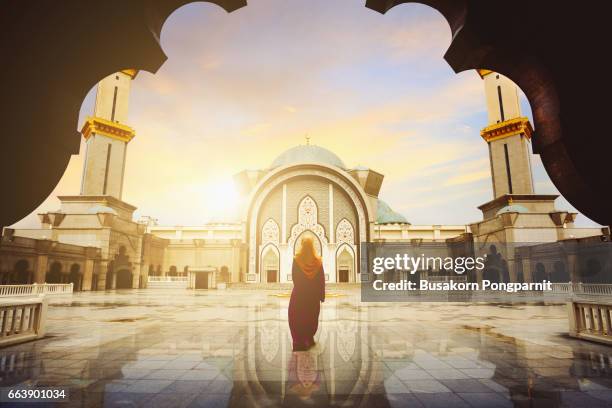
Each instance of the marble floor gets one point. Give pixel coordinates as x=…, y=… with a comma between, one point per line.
x=173, y=348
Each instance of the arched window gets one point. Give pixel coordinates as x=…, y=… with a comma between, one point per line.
x=172, y=271
x=186, y=270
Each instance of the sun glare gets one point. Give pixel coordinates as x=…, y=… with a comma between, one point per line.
x=220, y=199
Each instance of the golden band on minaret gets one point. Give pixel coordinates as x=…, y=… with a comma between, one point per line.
x=99, y=126
x=507, y=128
x=131, y=72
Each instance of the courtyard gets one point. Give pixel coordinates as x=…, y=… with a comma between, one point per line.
x=158, y=348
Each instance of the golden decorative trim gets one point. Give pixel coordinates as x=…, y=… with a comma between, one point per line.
x=131, y=72
x=99, y=126
x=484, y=72
x=507, y=128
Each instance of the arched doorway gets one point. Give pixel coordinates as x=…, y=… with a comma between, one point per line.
x=592, y=272
x=124, y=279
x=54, y=275
x=540, y=272
x=224, y=274
x=21, y=275
x=560, y=273
x=75, y=277
x=270, y=264
x=345, y=264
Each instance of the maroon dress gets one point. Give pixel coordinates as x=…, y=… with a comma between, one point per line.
x=304, y=306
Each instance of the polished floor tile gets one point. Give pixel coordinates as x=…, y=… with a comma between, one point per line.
x=156, y=348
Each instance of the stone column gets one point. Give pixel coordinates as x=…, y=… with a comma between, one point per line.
x=43, y=247
x=41, y=268
x=102, y=275
x=512, y=272
x=90, y=254
x=135, y=276
x=235, y=261
x=527, y=275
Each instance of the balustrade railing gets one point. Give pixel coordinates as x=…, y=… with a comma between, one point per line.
x=22, y=319
x=596, y=289
x=35, y=289
x=168, y=278
x=591, y=320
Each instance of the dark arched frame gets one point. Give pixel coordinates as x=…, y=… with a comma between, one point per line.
x=57, y=55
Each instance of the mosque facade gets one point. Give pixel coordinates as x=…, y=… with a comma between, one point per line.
x=306, y=191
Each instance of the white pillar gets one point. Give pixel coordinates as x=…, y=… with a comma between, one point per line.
x=283, y=239
x=332, y=238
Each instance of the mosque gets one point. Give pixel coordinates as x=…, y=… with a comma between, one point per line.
x=93, y=241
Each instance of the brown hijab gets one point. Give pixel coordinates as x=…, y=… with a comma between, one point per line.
x=307, y=259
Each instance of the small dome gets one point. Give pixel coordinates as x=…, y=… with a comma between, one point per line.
x=512, y=208
x=385, y=215
x=308, y=154
x=97, y=209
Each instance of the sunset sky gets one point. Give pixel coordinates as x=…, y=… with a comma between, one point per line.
x=238, y=89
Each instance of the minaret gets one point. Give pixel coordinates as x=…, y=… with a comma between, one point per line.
x=107, y=137
x=508, y=135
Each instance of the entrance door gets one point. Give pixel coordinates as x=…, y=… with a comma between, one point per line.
x=343, y=275
x=124, y=279
x=271, y=273
x=201, y=280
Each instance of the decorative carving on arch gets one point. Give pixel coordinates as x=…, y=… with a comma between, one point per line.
x=351, y=191
x=308, y=219
x=270, y=232
x=345, y=233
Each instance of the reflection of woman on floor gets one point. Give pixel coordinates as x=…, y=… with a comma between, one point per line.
x=308, y=291
x=305, y=382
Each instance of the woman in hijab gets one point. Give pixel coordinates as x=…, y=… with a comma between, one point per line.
x=308, y=291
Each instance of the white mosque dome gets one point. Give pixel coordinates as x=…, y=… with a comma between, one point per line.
x=512, y=208
x=97, y=209
x=308, y=154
